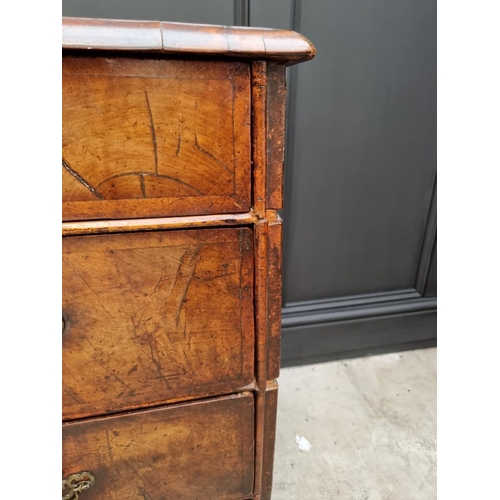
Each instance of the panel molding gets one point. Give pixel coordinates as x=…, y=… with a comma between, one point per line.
x=290, y=116
x=315, y=312
x=428, y=243
x=362, y=337
x=242, y=13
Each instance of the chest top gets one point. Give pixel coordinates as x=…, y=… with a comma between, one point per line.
x=157, y=117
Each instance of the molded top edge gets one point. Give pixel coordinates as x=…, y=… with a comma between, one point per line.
x=283, y=46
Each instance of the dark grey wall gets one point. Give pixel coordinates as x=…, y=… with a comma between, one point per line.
x=188, y=11
x=360, y=214
x=365, y=138
x=360, y=265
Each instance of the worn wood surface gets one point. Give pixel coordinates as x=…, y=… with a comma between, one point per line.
x=261, y=299
x=275, y=116
x=153, y=138
x=132, y=225
x=274, y=303
x=157, y=316
x=261, y=248
x=268, y=283
x=270, y=413
x=200, y=450
x=268, y=135
x=186, y=39
x=268, y=236
x=259, y=149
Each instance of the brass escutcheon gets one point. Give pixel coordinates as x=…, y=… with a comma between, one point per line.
x=76, y=483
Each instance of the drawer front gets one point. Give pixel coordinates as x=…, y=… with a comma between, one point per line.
x=152, y=138
x=202, y=450
x=153, y=317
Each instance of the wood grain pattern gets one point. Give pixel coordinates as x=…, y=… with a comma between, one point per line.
x=276, y=105
x=95, y=34
x=260, y=438
x=154, y=317
x=268, y=285
x=271, y=409
x=259, y=148
x=268, y=256
x=153, y=138
x=274, y=302
x=200, y=450
x=261, y=292
x=186, y=39
x=261, y=296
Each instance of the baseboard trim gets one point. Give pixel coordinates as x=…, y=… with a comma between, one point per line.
x=354, y=308
x=315, y=343
x=360, y=353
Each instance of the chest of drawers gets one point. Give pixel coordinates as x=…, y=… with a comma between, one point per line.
x=172, y=177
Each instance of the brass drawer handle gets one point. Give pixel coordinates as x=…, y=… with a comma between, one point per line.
x=77, y=483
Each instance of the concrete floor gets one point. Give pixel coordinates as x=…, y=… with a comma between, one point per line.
x=372, y=426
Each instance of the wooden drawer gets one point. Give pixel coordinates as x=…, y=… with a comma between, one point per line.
x=155, y=316
x=199, y=450
x=153, y=137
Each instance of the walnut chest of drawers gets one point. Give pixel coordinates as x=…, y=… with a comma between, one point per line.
x=172, y=176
